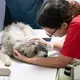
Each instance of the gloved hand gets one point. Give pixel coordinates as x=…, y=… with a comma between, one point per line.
x=47, y=45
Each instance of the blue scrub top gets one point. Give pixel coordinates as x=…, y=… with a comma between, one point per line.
x=24, y=11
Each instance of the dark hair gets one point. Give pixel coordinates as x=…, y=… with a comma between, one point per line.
x=74, y=9
x=54, y=12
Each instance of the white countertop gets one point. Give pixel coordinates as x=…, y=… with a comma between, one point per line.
x=24, y=71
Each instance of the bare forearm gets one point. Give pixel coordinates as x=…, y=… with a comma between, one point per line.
x=58, y=46
x=47, y=62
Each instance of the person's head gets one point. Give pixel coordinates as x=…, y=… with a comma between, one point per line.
x=55, y=16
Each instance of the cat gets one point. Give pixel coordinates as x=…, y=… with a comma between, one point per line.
x=15, y=36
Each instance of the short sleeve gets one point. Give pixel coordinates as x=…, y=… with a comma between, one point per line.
x=71, y=47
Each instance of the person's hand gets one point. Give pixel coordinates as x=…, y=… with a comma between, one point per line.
x=43, y=43
x=38, y=41
x=18, y=56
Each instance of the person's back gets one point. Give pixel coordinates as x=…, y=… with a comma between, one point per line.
x=24, y=11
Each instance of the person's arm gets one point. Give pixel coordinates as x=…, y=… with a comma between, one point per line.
x=58, y=45
x=57, y=62
x=49, y=45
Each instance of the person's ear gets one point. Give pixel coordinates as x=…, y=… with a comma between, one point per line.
x=64, y=25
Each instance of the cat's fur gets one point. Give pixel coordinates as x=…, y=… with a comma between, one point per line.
x=15, y=36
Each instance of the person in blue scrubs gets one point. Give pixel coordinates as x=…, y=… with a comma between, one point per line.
x=22, y=11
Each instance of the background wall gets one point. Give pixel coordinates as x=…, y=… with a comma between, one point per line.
x=2, y=13
x=77, y=0
x=25, y=10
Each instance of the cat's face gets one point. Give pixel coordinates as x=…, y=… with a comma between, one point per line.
x=28, y=49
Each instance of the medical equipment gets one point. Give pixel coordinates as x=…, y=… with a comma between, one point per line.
x=65, y=73
x=4, y=74
x=76, y=73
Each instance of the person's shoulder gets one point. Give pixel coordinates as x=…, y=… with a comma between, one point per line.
x=75, y=24
x=76, y=19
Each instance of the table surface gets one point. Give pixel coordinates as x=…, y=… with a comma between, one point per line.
x=24, y=71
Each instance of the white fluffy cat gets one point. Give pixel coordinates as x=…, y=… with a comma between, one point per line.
x=15, y=36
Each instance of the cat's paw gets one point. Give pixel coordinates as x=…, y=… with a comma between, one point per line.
x=7, y=63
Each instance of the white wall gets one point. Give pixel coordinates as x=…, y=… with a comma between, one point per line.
x=77, y=0
x=2, y=13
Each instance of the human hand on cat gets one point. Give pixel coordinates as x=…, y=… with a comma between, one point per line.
x=18, y=55
x=43, y=43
